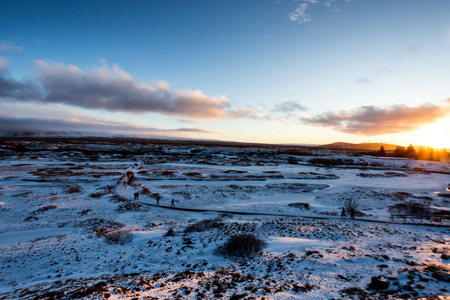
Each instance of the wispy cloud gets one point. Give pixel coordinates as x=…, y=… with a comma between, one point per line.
x=113, y=89
x=302, y=14
x=363, y=80
x=246, y=113
x=6, y=46
x=14, y=89
x=9, y=124
x=288, y=107
x=371, y=120
x=286, y=112
x=4, y=65
x=413, y=50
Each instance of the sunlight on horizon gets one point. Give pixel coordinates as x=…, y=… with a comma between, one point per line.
x=436, y=135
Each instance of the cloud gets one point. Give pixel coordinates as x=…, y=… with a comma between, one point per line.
x=302, y=14
x=246, y=113
x=413, y=50
x=6, y=46
x=13, y=89
x=286, y=111
x=289, y=107
x=9, y=124
x=113, y=89
x=371, y=120
x=4, y=65
x=363, y=80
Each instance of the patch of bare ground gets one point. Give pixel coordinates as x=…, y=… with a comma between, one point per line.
x=98, y=194
x=226, y=283
x=409, y=283
x=74, y=189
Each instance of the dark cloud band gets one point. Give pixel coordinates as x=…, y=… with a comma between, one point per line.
x=112, y=89
x=19, y=125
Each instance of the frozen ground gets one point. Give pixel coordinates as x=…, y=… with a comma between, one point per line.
x=59, y=203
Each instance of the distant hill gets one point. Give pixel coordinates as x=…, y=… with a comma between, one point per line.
x=362, y=146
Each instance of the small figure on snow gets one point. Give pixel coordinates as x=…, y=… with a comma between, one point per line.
x=343, y=212
x=172, y=203
x=352, y=213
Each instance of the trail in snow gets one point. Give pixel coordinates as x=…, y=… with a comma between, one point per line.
x=121, y=190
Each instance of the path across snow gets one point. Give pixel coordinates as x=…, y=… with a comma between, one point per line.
x=121, y=190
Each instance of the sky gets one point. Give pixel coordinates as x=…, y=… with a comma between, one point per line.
x=270, y=71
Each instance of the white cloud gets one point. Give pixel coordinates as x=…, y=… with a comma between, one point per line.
x=6, y=46
x=302, y=14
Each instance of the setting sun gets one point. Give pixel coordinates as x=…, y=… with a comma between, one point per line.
x=436, y=135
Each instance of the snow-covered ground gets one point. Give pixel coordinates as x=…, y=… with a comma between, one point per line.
x=60, y=209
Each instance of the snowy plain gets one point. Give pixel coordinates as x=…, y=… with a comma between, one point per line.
x=59, y=201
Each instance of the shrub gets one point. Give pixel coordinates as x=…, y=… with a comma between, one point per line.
x=73, y=189
x=411, y=208
x=97, y=195
x=292, y=161
x=120, y=237
x=204, y=225
x=156, y=196
x=117, y=198
x=168, y=173
x=46, y=207
x=170, y=232
x=402, y=195
x=351, y=204
x=194, y=174
x=100, y=226
x=145, y=191
x=241, y=246
x=224, y=216
x=300, y=205
x=331, y=161
x=130, y=206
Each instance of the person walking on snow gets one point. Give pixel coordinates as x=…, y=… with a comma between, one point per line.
x=352, y=213
x=172, y=203
x=343, y=212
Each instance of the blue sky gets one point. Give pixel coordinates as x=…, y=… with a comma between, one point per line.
x=315, y=71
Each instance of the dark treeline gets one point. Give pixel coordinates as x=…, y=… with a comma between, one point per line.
x=423, y=153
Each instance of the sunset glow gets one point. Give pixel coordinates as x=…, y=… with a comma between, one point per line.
x=436, y=135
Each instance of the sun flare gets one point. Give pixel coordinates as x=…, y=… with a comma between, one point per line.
x=436, y=135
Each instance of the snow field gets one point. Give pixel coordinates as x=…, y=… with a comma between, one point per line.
x=53, y=225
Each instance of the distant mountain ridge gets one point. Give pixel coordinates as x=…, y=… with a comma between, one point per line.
x=91, y=134
x=361, y=146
